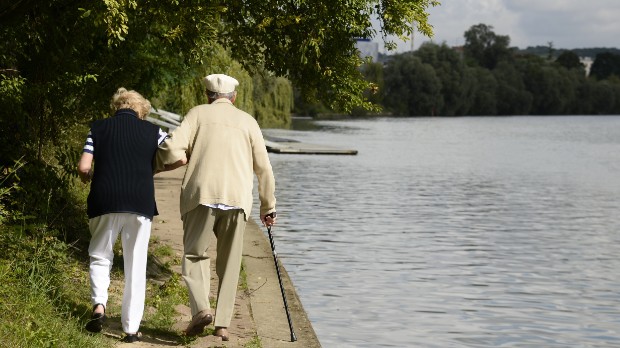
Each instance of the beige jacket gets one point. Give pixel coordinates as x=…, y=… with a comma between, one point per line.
x=224, y=147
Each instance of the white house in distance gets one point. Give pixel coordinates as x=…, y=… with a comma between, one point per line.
x=587, y=64
x=368, y=48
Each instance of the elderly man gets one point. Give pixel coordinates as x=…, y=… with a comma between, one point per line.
x=223, y=147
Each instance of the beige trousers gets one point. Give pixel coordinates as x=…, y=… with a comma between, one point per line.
x=228, y=227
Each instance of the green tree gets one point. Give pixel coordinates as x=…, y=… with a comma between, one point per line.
x=72, y=54
x=451, y=71
x=373, y=72
x=484, y=95
x=573, y=80
x=605, y=65
x=593, y=97
x=615, y=86
x=313, y=42
x=603, y=98
x=570, y=60
x=484, y=47
x=273, y=100
x=616, y=90
x=583, y=104
x=411, y=87
x=61, y=60
x=512, y=96
x=549, y=87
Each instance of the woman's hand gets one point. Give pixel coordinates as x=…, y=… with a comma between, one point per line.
x=85, y=167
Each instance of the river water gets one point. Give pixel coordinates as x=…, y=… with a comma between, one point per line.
x=455, y=232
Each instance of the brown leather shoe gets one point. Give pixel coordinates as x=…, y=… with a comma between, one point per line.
x=221, y=332
x=199, y=322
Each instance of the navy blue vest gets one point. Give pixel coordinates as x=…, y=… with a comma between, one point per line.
x=124, y=149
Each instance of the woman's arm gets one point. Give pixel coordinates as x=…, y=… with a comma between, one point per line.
x=85, y=166
x=173, y=152
x=174, y=165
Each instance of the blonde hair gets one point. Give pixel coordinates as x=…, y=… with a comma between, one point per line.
x=124, y=99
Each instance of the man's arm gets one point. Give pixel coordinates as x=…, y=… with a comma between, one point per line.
x=266, y=180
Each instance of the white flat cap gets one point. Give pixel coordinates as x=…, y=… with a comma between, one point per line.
x=221, y=83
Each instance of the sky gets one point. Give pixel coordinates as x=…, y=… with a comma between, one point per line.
x=567, y=24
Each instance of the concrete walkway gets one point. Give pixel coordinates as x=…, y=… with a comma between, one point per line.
x=260, y=310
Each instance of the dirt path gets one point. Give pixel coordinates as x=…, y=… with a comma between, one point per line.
x=259, y=311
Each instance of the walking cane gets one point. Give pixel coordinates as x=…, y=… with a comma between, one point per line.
x=275, y=260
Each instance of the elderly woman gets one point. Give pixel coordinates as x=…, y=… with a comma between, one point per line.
x=121, y=201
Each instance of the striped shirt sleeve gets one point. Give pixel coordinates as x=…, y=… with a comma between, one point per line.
x=89, y=146
x=162, y=136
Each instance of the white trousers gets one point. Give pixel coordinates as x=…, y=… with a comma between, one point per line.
x=135, y=231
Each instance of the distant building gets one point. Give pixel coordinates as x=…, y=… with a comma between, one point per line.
x=460, y=50
x=587, y=64
x=368, y=48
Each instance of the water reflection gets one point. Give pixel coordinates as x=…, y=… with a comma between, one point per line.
x=472, y=232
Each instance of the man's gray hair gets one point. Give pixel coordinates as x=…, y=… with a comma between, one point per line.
x=217, y=95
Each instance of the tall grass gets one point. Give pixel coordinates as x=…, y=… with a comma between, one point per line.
x=42, y=294
x=44, y=286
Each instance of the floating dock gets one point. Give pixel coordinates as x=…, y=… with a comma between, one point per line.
x=274, y=144
x=289, y=146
